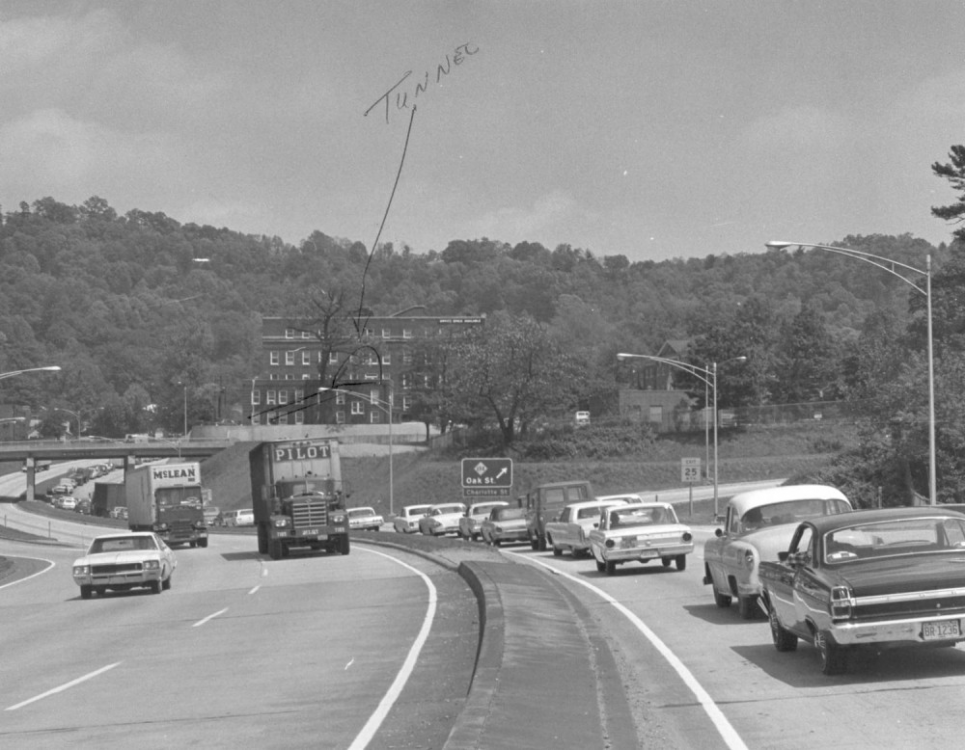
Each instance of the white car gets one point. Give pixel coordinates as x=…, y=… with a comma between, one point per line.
x=442, y=519
x=571, y=530
x=470, y=525
x=407, y=522
x=364, y=519
x=118, y=562
x=757, y=526
x=243, y=517
x=641, y=532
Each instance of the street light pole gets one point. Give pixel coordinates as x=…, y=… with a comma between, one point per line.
x=898, y=270
x=709, y=377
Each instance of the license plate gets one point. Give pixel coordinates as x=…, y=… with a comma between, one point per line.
x=627, y=542
x=934, y=631
x=309, y=532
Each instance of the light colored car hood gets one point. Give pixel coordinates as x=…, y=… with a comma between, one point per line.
x=123, y=556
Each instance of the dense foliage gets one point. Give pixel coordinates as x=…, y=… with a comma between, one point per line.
x=151, y=319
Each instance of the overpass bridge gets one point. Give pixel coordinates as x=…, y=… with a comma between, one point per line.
x=31, y=451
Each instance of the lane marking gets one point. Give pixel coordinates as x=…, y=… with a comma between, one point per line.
x=254, y=589
x=350, y=663
x=365, y=736
x=210, y=617
x=716, y=716
x=63, y=687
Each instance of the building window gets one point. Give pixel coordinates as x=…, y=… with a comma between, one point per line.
x=299, y=395
x=373, y=397
x=289, y=358
x=289, y=333
x=306, y=358
x=255, y=418
x=256, y=397
x=406, y=357
x=273, y=358
x=405, y=380
x=374, y=418
x=386, y=333
x=283, y=419
x=656, y=414
x=387, y=358
x=306, y=376
x=407, y=333
x=357, y=407
x=406, y=403
x=282, y=397
x=299, y=417
x=306, y=334
x=340, y=417
x=332, y=358
x=340, y=398
x=270, y=397
x=371, y=376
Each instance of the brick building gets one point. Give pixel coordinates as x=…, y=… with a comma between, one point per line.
x=359, y=374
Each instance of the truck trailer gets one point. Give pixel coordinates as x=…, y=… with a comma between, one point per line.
x=298, y=497
x=166, y=499
x=106, y=497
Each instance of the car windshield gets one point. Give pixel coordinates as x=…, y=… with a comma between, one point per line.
x=482, y=510
x=588, y=513
x=896, y=537
x=122, y=544
x=622, y=519
x=789, y=511
x=507, y=514
x=447, y=509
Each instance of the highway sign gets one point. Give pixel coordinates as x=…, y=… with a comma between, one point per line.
x=487, y=473
x=690, y=470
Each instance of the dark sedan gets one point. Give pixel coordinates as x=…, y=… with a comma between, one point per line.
x=876, y=578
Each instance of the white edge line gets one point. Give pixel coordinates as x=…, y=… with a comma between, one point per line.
x=210, y=617
x=63, y=687
x=50, y=567
x=395, y=689
x=724, y=727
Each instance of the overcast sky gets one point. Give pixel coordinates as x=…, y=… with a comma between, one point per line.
x=648, y=129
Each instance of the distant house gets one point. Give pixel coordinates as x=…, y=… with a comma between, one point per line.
x=651, y=397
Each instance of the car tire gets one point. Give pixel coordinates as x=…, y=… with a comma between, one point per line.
x=156, y=587
x=601, y=567
x=557, y=552
x=497, y=542
x=610, y=567
x=203, y=543
x=274, y=550
x=834, y=658
x=784, y=640
x=747, y=607
x=541, y=544
x=721, y=600
x=344, y=545
x=166, y=583
x=665, y=561
x=681, y=562
x=86, y=592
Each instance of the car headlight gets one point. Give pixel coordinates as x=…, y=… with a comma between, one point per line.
x=161, y=527
x=151, y=565
x=81, y=570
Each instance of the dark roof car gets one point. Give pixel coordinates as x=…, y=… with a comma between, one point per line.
x=872, y=578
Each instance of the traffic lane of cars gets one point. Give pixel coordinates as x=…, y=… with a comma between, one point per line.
x=758, y=689
x=285, y=626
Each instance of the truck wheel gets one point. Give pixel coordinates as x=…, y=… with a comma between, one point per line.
x=343, y=545
x=86, y=592
x=262, y=539
x=747, y=607
x=203, y=543
x=274, y=550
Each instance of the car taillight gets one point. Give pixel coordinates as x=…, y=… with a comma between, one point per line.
x=688, y=536
x=749, y=559
x=841, y=603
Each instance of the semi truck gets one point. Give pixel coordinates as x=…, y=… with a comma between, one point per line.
x=298, y=497
x=166, y=499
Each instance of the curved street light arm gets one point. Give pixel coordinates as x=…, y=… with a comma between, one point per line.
x=701, y=373
x=885, y=264
x=14, y=373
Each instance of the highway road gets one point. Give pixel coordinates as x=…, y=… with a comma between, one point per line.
x=330, y=651
x=685, y=661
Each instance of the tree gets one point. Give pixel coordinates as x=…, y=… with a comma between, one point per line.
x=807, y=360
x=954, y=172
x=511, y=372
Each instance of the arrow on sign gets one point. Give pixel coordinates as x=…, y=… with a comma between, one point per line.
x=503, y=471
